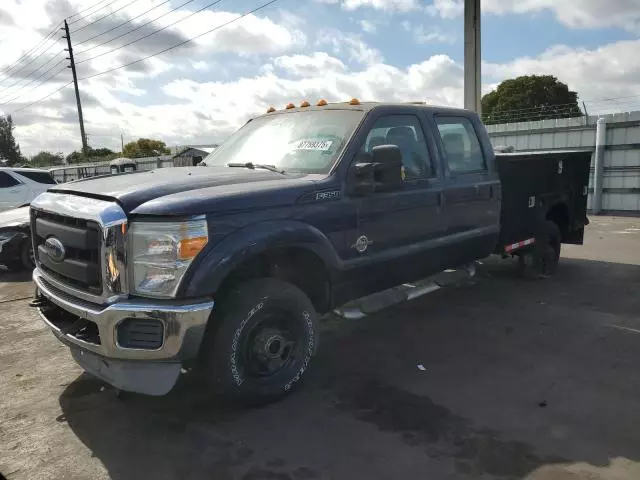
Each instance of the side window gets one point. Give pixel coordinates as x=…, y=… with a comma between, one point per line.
x=405, y=132
x=461, y=145
x=7, y=181
x=40, y=177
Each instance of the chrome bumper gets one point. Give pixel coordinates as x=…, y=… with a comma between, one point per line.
x=184, y=323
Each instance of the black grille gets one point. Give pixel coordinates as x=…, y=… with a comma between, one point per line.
x=69, y=324
x=81, y=239
x=143, y=334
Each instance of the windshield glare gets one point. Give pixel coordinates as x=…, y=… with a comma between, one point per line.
x=299, y=141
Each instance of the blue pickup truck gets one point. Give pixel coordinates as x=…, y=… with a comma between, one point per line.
x=227, y=266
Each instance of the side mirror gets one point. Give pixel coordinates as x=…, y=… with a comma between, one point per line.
x=378, y=171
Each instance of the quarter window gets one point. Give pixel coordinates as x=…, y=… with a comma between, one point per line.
x=461, y=145
x=7, y=181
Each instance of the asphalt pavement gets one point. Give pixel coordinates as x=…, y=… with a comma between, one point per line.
x=499, y=378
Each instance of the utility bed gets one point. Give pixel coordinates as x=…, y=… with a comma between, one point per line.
x=540, y=186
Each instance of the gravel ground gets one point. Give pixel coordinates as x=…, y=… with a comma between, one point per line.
x=500, y=379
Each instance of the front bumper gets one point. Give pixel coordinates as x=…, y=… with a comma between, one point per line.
x=184, y=323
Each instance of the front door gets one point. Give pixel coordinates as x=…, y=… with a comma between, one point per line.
x=471, y=194
x=393, y=230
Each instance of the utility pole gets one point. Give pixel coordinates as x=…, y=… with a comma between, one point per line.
x=75, y=84
x=122, y=142
x=472, y=56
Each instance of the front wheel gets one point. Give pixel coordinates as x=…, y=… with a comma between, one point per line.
x=263, y=343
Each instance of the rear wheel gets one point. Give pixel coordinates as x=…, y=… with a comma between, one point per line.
x=542, y=260
x=263, y=344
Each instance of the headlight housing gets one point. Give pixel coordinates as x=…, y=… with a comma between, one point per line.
x=160, y=253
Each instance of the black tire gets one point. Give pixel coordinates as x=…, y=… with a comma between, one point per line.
x=24, y=260
x=26, y=255
x=263, y=343
x=551, y=246
x=542, y=260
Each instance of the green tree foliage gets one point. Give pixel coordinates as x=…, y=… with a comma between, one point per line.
x=91, y=155
x=145, y=147
x=47, y=159
x=530, y=97
x=9, y=149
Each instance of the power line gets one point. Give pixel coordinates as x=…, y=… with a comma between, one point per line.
x=218, y=27
x=40, y=99
x=41, y=83
x=53, y=57
x=84, y=17
x=84, y=10
x=147, y=35
x=119, y=25
x=133, y=30
x=264, y=5
x=7, y=69
x=104, y=16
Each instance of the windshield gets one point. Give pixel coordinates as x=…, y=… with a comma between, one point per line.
x=302, y=141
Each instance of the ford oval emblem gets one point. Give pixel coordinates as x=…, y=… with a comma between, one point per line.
x=55, y=249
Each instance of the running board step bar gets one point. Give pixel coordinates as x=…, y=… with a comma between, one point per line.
x=370, y=304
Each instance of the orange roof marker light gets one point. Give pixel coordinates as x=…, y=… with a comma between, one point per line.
x=321, y=103
x=354, y=101
x=271, y=109
x=290, y=106
x=305, y=104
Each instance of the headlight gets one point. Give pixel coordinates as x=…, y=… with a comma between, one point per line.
x=161, y=252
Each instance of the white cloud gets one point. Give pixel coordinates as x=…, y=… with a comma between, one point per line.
x=610, y=71
x=446, y=8
x=368, y=26
x=574, y=13
x=423, y=35
x=173, y=97
x=349, y=45
x=305, y=65
x=386, y=5
x=577, y=13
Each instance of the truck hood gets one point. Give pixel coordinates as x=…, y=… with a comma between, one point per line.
x=166, y=188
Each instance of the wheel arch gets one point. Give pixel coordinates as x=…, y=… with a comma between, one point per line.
x=291, y=251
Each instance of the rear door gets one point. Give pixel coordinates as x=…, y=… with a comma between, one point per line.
x=13, y=193
x=471, y=190
x=37, y=182
x=395, y=231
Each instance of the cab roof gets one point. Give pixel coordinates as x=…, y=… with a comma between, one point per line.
x=368, y=106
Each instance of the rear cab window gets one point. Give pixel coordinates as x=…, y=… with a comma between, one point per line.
x=461, y=146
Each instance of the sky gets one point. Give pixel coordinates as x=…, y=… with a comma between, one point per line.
x=288, y=51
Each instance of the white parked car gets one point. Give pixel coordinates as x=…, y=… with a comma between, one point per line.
x=18, y=186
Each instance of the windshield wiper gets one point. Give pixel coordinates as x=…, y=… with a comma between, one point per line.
x=253, y=166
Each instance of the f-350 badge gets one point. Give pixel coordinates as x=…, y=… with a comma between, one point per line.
x=362, y=243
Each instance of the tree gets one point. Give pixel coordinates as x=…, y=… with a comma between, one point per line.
x=530, y=97
x=47, y=159
x=9, y=149
x=91, y=155
x=145, y=147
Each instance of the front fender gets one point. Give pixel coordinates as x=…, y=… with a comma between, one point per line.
x=209, y=272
